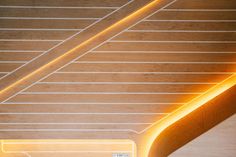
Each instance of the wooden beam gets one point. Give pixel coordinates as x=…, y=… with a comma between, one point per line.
x=195, y=124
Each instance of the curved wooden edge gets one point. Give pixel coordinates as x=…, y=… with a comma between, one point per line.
x=79, y=45
x=177, y=128
x=195, y=124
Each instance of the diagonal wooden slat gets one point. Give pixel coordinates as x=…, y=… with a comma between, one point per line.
x=78, y=45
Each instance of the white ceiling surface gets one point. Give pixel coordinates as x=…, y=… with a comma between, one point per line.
x=217, y=142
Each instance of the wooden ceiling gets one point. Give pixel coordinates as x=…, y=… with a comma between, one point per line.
x=220, y=141
x=120, y=86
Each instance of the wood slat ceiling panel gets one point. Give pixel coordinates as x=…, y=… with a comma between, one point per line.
x=127, y=77
x=152, y=68
x=17, y=56
x=159, y=57
x=36, y=34
x=54, y=12
x=73, y=118
x=177, y=36
x=168, y=46
x=86, y=107
x=175, y=14
x=130, y=128
x=103, y=98
x=37, y=26
x=204, y=4
x=27, y=45
x=45, y=23
x=185, y=26
x=110, y=87
x=63, y=3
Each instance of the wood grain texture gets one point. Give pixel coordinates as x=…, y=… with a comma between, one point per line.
x=119, y=77
x=45, y=23
x=54, y=12
x=36, y=34
x=27, y=45
x=204, y=4
x=167, y=46
x=194, y=15
x=144, y=67
x=135, y=75
x=158, y=57
x=87, y=107
x=185, y=26
x=103, y=98
x=68, y=3
x=176, y=36
x=139, y=88
x=18, y=56
x=219, y=141
x=195, y=124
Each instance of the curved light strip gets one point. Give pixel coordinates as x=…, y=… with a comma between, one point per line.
x=152, y=132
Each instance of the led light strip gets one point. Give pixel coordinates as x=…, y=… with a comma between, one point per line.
x=132, y=149
x=156, y=128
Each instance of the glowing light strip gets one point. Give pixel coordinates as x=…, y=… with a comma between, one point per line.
x=159, y=126
x=71, y=142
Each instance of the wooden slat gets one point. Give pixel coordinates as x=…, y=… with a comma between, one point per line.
x=58, y=145
x=40, y=118
x=204, y=4
x=160, y=57
x=194, y=15
x=1, y=75
x=138, y=128
x=181, y=25
x=18, y=56
x=179, y=36
x=27, y=45
x=138, y=67
x=66, y=135
x=8, y=67
x=45, y=23
x=90, y=77
x=37, y=34
x=67, y=3
x=104, y=98
x=86, y=108
x=54, y=12
x=167, y=46
x=58, y=154
x=172, y=88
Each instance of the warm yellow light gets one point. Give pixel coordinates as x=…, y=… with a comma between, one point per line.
x=79, y=147
x=154, y=130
